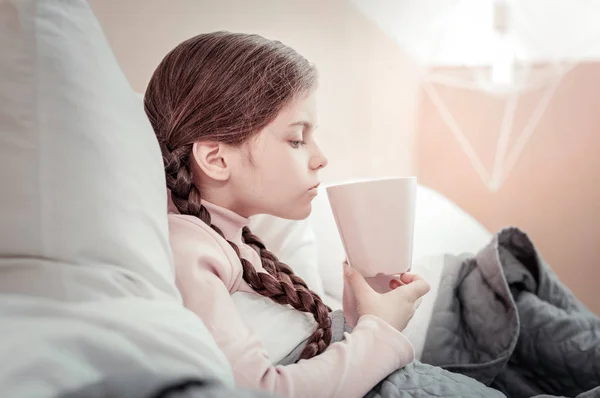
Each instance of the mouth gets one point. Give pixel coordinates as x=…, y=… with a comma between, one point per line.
x=314, y=187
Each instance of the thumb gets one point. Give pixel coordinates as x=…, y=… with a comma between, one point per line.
x=356, y=281
x=415, y=290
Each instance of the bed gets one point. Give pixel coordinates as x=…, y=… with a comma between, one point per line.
x=86, y=276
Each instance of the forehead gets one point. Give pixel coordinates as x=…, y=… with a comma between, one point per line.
x=301, y=109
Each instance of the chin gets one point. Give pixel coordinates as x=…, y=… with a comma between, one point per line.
x=298, y=213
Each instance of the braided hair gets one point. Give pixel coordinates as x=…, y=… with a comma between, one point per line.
x=227, y=87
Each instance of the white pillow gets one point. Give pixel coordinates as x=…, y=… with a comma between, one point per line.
x=86, y=275
x=442, y=227
x=81, y=171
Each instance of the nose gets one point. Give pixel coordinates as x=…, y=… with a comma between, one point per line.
x=318, y=160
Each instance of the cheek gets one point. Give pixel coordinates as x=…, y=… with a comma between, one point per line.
x=277, y=166
x=283, y=162
x=293, y=166
x=278, y=172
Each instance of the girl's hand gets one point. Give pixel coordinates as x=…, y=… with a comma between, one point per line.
x=404, y=279
x=396, y=307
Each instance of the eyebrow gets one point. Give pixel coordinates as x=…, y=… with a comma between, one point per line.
x=305, y=124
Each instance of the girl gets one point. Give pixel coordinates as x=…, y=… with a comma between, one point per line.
x=235, y=116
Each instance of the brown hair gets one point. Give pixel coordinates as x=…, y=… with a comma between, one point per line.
x=227, y=87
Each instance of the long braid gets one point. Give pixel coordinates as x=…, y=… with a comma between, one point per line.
x=294, y=289
x=280, y=283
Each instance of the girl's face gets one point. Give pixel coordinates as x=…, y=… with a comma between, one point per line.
x=276, y=172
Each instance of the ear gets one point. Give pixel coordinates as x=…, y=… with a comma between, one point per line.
x=210, y=158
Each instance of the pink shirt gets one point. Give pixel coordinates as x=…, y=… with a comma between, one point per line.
x=208, y=272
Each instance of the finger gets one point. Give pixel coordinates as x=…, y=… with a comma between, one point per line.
x=409, y=277
x=415, y=290
x=356, y=281
x=395, y=283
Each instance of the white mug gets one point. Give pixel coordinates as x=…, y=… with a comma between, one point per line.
x=375, y=219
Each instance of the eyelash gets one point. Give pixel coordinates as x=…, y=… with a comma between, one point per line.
x=297, y=144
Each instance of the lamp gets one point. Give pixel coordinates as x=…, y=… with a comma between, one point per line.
x=503, y=64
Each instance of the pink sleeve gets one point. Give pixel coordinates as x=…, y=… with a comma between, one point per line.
x=350, y=368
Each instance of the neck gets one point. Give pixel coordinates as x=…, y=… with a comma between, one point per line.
x=222, y=198
x=229, y=222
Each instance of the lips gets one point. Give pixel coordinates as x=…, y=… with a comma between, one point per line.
x=315, y=186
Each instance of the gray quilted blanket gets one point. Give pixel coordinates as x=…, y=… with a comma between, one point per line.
x=503, y=319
